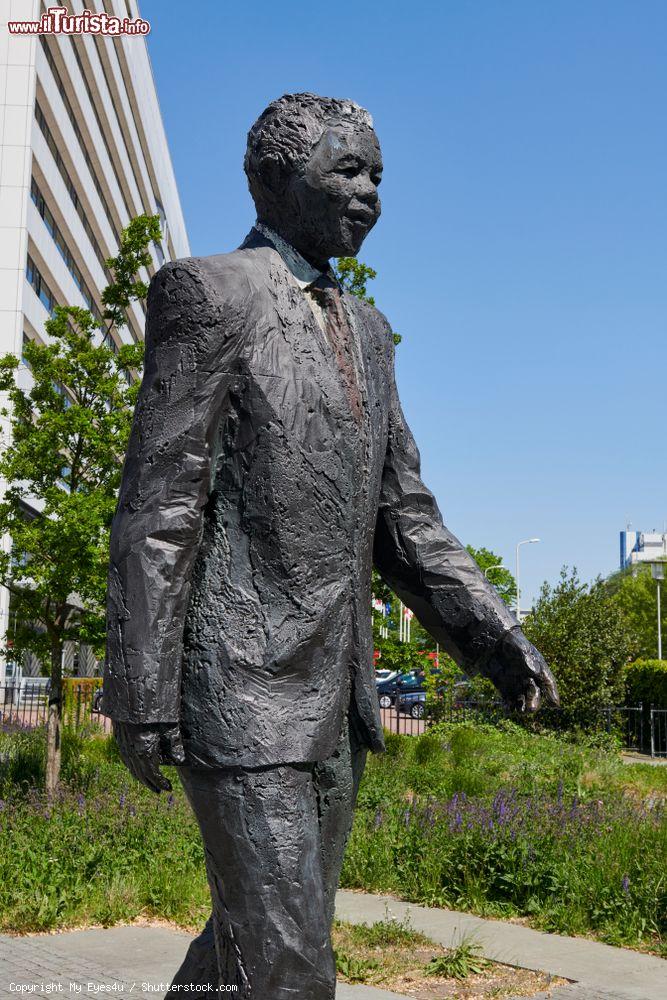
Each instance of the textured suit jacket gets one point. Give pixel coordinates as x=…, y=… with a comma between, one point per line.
x=252, y=508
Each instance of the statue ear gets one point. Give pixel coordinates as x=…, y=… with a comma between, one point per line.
x=273, y=175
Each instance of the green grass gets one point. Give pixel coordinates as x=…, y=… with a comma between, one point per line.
x=504, y=823
x=493, y=820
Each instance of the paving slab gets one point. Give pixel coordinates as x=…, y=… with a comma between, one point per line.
x=613, y=972
x=126, y=961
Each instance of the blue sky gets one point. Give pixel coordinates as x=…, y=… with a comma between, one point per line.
x=522, y=248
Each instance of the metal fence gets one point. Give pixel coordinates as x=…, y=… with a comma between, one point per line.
x=658, y=732
x=639, y=729
x=25, y=705
x=626, y=722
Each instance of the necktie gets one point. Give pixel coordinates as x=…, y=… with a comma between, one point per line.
x=339, y=335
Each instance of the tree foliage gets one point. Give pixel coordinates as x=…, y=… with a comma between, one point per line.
x=70, y=420
x=634, y=590
x=354, y=276
x=646, y=682
x=581, y=631
x=497, y=574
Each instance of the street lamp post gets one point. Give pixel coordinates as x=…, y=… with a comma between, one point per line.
x=658, y=574
x=489, y=568
x=526, y=541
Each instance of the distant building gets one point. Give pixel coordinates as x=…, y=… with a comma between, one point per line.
x=642, y=546
x=82, y=151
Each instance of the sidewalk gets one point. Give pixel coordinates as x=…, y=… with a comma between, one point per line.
x=140, y=961
x=612, y=972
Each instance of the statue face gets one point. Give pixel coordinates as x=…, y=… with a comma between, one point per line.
x=334, y=203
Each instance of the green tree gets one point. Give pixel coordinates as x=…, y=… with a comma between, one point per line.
x=496, y=573
x=581, y=631
x=635, y=593
x=354, y=276
x=69, y=433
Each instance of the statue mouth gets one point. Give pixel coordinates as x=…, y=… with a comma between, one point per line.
x=363, y=219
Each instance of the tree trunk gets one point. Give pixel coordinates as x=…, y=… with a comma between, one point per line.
x=54, y=719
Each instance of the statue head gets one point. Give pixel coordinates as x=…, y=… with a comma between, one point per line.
x=313, y=166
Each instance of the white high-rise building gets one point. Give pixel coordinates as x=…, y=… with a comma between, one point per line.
x=82, y=151
x=642, y=547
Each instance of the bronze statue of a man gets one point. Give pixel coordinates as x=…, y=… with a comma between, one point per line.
x=270, y=467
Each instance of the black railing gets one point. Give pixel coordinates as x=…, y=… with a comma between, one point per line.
x=658, y=732
x=413, y=716
x=25, y=704
x=643, y=730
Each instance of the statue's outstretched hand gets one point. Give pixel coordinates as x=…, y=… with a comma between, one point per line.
x=144, y=746
x=520, y=673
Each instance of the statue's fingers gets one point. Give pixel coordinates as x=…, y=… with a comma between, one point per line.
x=172, y=747
x=151, y=776
x=533, y=697
x=549, y=689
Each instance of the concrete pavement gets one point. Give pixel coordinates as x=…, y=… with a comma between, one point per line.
x=140, y=961
x=622, y=973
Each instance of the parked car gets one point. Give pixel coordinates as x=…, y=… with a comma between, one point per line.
x=414, y=702
x=388, y=690
x=385, y=675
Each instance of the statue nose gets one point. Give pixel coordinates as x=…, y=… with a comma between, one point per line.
x=367, y=195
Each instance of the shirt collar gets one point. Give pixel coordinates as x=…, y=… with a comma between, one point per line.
x=304, y=272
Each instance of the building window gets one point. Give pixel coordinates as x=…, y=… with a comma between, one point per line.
x=39, y=286
x=24, y=360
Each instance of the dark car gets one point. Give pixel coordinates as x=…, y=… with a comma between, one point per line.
x=392, y=688
x=413, y=702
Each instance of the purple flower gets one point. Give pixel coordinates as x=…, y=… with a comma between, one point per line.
x=625, y=882
x=377, y=822
x=170, y=801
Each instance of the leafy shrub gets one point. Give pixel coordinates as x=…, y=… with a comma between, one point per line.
x=428, y=748
x=583, y=634
x=646, y=682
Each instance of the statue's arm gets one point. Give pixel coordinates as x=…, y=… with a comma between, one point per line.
x=434, y=575
x=165, y=484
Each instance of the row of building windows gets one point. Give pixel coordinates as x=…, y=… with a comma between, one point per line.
x=62, y=248
x=40, y=287
x=71, y=190
x=99, y=124
x=77, y=132
x=158, y=248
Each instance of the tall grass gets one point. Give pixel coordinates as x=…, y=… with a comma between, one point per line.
x=492, y=820
x=504, y=823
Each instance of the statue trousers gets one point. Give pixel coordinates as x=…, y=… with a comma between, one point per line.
x=274, y=839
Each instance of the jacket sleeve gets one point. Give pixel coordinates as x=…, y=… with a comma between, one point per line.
x=158, y=523
x=422, y=561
